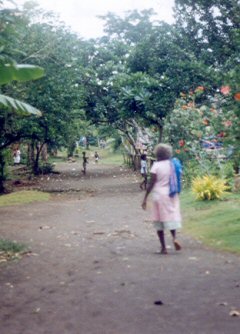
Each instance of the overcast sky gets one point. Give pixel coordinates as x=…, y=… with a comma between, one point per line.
x=81, y=14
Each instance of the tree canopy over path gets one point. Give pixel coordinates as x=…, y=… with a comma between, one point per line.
x=93, y=267
x=131, y=80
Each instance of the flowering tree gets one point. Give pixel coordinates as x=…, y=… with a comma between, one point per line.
x=205, y=128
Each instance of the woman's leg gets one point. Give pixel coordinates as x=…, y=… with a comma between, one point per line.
x=175, y=242
x=162, y=241
x=173, y=233
x=142, y=183
x=145, y=181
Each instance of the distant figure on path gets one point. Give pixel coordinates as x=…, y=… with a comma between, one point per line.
x=143, y=184
x=85, y=161
x=17, y=156
x=96, y=156
x=165, y=186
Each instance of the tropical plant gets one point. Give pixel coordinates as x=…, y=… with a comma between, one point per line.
x=209, y=187
x=12, y=108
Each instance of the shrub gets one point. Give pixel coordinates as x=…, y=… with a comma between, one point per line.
x=10, y=250
x=46, y=168
x=191, y=169
x=209, y=187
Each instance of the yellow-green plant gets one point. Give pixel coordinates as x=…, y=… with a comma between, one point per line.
x=209, y=187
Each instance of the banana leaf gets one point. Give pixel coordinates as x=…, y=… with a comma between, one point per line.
x=18, y=106
x=19, y=72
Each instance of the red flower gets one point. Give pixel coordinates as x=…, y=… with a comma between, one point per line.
x=181, y=142
x=221, y=134
x=225, y=90
x=237, y=96
x=178, y=151
x=227, y=123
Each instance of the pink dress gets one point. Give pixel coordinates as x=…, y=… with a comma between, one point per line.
x=166, y=210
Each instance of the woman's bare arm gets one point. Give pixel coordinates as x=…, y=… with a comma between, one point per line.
x=150, y=186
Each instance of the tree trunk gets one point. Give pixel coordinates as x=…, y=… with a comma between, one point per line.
x=44, y=153
x=36, y=162
x=2, y=171
x=30, y=154
x=160, y=133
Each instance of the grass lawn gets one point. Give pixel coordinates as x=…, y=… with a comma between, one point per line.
x=23, y=197
x=215, y=223
x=108, y=157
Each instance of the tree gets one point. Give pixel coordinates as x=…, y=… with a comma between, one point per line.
x=210, y=28
x=131, y=29
x=212, y=31
x=60, y=93
x=155, y=70
x=11, y=109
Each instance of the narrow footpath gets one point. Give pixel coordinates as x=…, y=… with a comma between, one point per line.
x=93, y=266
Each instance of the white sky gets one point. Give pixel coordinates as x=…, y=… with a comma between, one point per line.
x=80, y=15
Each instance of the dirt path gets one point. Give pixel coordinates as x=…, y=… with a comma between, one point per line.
x=93, y=267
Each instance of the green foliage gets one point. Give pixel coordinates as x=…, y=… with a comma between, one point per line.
x=10, y=250
x=10, y=107
x=191, y=169
x=108, y=156
x=18, y=106
x=3, y=165
x=45, y=168
x=10, y=246
x=129, y=79
x=132, y=28
x=10, y=71
x=197, y=119
x=208, y=187
x=210, y=29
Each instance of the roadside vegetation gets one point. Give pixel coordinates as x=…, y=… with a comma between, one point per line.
x=215, y=223
x=10, y=250
x=23, y=197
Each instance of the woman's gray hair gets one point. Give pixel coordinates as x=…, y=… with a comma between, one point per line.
x=163, y=151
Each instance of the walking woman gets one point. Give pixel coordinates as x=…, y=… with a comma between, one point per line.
x=165, y=186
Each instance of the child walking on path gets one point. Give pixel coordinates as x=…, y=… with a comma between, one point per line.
x=165, y=187
x=143, y=184
x=17, y=156
x=85, y=161
x=96, y=156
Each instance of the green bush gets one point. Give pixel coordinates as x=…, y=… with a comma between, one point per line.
x=46, y=168
x=227, y=172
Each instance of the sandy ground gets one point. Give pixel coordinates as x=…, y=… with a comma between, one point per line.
x=93, y=267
